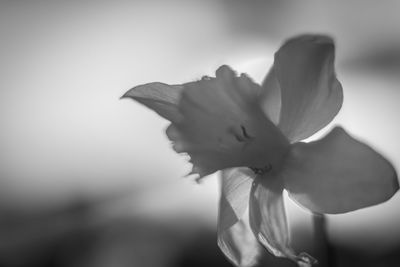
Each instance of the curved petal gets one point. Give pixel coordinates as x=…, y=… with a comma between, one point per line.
x=268, y=219
x=338, y=174
x=235, y=238
x=311, y=95
x=162, y=98
x=235, y=191
x=223, y=126
x=270, y=97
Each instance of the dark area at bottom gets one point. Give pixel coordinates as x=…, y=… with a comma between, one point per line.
x=68, y=237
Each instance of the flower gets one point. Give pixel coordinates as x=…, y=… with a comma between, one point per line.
x=253, y=133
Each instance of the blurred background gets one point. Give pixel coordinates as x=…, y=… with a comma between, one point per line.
x=87, y=179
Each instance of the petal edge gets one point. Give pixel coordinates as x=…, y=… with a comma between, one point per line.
x=311, y=95
x=235, y=238
x=159, y=97
x=338, y=174
x=268, y=220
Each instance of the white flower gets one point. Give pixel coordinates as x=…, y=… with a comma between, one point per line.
x=252, y=133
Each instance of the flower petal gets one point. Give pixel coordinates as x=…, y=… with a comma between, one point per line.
x=223, y=126
x=268, y=219
x=235, y=238
x=310, y=93
x=162, y=98
x=235, y=191
x=338, y=174
x=270, y=97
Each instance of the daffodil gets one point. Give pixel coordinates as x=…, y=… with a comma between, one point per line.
x=253, y=133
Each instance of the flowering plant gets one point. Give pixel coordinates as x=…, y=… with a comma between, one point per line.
x=253, y=134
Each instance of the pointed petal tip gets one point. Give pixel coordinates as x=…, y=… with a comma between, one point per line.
x=355, y=175
x=159, y=97
x=339, y=130
x=132, y=93
x=124, y=95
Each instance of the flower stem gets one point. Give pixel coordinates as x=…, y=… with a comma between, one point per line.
x=322, y=242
